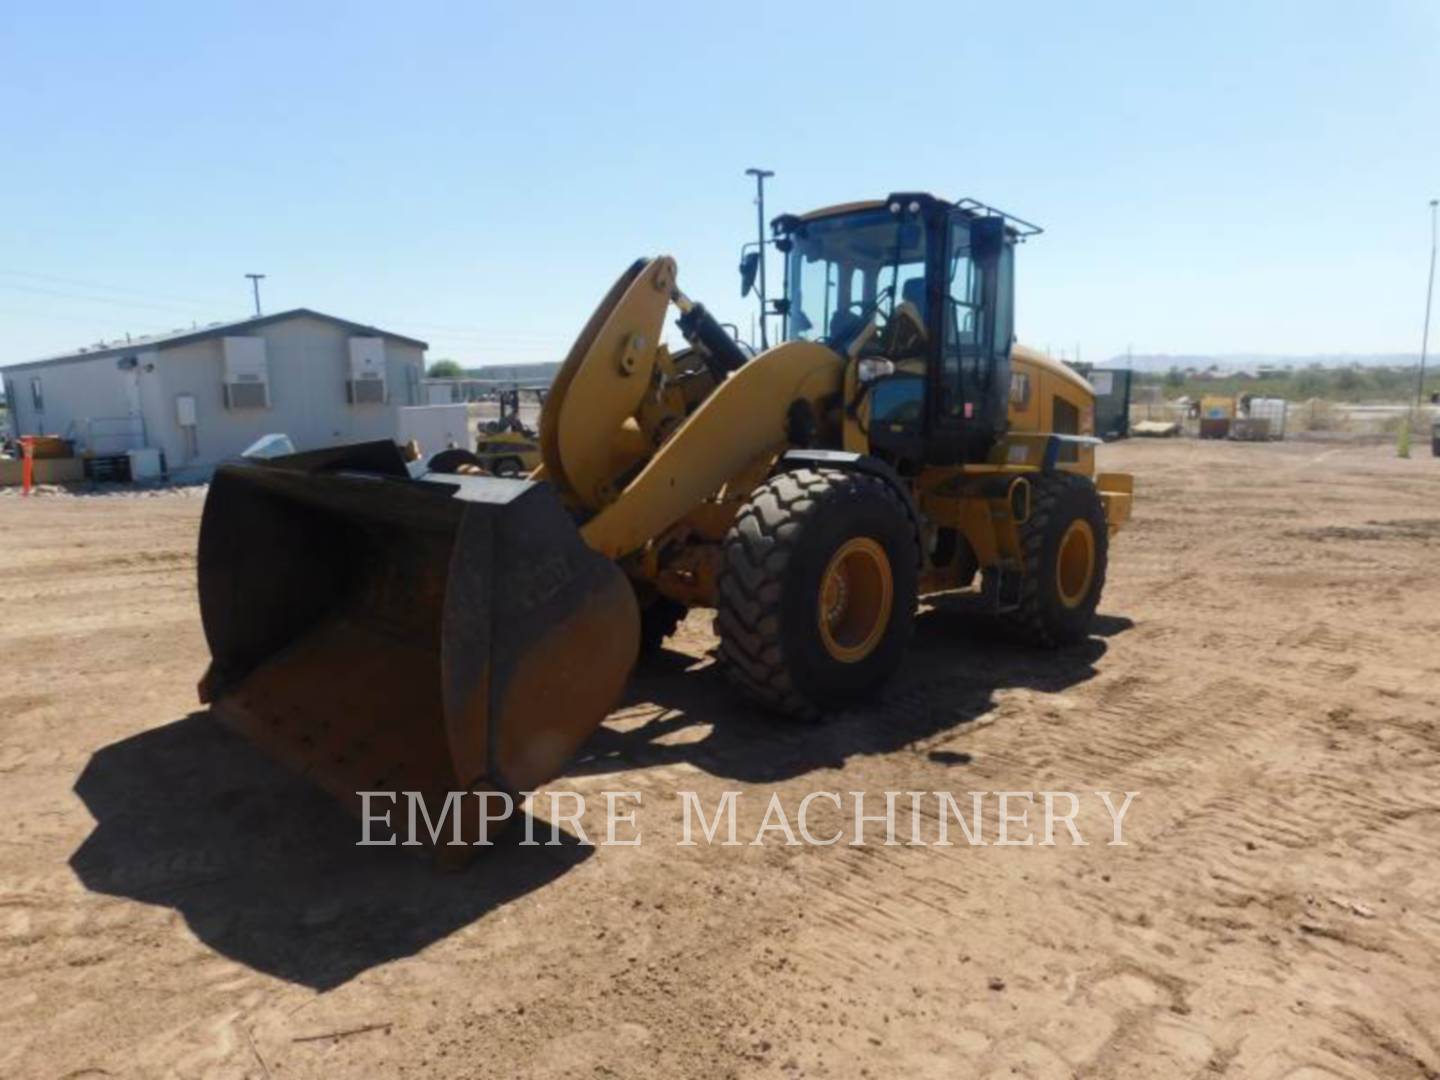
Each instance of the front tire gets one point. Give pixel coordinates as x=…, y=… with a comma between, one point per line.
x=818, y=589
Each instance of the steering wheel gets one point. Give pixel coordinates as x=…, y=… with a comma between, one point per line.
x=868, y=308
x=857, y=315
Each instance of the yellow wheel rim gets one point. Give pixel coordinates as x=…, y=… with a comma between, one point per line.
x=857, y=592
x=1075, y=563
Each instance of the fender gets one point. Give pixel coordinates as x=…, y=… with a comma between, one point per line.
x=861, y=463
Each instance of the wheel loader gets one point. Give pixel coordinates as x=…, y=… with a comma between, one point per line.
x=381, y=625
x=506, y=447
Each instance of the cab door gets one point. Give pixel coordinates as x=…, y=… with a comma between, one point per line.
x=971, y=382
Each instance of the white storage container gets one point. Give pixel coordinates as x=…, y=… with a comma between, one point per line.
x=434, y=427
x=1272, y=409
x=144, y=463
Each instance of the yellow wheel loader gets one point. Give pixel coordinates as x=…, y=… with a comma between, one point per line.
x=381, y=626
x=506, y=447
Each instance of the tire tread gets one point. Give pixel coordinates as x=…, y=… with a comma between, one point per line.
x=758, y=551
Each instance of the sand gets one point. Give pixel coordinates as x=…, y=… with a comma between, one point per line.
x=1264, y=676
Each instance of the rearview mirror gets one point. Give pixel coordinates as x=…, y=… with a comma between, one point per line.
x=749, y=267
x=987, y=238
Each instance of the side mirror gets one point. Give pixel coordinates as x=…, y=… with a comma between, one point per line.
x=987, y=239
x=749, y=267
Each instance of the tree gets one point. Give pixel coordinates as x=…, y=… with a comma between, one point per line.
x=1175, y=377
x=445, y=369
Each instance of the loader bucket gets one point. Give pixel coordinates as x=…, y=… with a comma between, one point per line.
x=379, y=632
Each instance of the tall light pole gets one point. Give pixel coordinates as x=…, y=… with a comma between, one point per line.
x=760, y=175
x=1429, y=296
x=255, y=280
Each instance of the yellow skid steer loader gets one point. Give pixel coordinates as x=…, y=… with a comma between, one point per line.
x=383, y=626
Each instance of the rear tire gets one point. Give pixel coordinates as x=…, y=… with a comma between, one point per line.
x=818, y=589
x=1065, y=546
x=455, y=461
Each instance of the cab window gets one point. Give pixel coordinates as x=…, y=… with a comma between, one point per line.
x=962, y=360
x=964, y=315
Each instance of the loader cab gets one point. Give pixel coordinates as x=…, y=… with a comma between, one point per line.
x=920, y=291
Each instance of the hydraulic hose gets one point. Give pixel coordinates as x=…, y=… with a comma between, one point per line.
x=722, y=353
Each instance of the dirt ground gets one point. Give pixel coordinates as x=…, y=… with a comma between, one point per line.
x=1265, y=676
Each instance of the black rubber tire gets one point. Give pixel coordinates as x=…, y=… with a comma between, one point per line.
x=658, y=620
x=450, y=461
x=776, y=553
x=1057, y=500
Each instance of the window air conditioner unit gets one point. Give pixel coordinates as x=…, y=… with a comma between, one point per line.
x=247, y=373
x=366, y=384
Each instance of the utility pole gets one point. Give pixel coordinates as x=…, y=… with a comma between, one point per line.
x=760, y=176
x=1429, y=296
x=255, y=280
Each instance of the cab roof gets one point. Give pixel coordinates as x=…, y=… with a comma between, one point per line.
x=1018, y=227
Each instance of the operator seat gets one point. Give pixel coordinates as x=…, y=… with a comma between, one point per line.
x=907, y=333
x=844, y=325
x=913, y=292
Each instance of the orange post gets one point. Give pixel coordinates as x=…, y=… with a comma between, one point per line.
x=27, y=468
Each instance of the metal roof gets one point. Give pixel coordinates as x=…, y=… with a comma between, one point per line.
x=217, y=329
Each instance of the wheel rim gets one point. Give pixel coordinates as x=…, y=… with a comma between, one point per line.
x=1075, y=563
x=857, y=592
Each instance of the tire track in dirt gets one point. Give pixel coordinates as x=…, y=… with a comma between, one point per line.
x=1232, y=837
x=1274, y=914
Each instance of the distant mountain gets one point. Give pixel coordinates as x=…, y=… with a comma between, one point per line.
x=544, y=372
x=1250, y=361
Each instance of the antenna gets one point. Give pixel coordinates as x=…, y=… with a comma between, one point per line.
x=760, y=176
x=255, y=280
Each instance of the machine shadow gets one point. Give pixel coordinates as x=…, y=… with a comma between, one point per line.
x=264, y=867
x=958, y=660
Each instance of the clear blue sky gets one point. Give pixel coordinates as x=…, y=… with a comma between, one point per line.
x=1213, y=177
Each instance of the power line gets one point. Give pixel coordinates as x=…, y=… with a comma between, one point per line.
x=46, y=316
x=171, y=302
x=470, y=336
x=41, y=291
x=109, y=288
